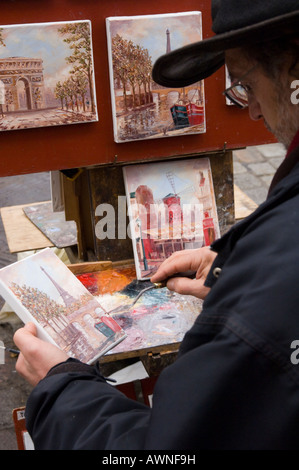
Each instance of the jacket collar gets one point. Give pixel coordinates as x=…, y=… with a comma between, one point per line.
x=284, y=185
x=292, y=157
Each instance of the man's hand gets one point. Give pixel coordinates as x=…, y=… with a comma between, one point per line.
x=199, y=260
x=37, y=357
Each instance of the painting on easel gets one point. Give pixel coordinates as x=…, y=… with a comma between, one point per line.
x=143, y=109
x=46, y=75
x=171, y=207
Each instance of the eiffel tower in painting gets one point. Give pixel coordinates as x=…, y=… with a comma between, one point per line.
x=168, y=46
x=66, y=297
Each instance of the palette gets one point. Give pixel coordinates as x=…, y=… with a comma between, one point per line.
x=158, y=320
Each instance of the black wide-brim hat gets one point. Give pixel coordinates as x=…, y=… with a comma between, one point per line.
x=236, y=23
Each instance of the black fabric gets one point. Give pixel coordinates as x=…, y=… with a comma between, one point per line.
x=233, y=385
x=228, y=15
x=236, y=24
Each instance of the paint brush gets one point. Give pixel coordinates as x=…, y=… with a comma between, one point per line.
x=161, y=284
x=14, y=351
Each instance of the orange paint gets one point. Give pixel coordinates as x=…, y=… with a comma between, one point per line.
x=107, y=281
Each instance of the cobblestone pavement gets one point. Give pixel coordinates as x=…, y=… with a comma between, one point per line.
x=253, y=171
x=254, y=168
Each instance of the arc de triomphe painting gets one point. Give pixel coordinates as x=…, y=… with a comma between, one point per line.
x=22, y=83
x=46, y=75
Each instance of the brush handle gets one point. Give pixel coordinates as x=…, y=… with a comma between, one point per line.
x=189, y=274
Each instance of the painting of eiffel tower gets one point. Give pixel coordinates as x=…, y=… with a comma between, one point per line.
x=66, y=297
x=68, y=315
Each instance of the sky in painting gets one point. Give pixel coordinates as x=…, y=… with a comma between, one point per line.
x=38, y=41
x=150, y=31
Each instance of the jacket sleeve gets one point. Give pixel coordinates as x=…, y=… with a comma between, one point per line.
x=74, y=407
x=223, y=392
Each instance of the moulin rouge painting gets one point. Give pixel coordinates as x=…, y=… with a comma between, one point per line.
x=171, y=207
x=46, y=75
x=141, y=108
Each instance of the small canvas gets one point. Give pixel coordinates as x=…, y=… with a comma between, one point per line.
x=141, y=108
x=171, y=207
x=46, y=75
x=41, y=289
x=62, y=233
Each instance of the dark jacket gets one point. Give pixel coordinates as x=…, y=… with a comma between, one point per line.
x=234, y=384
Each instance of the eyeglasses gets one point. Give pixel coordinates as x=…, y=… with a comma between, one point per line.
x=238, y=93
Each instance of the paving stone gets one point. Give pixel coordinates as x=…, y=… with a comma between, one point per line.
x=8, y=439
x=267, y=179
x=263, y=168
x=247, y=181
x=239, y=168
x=271, y=150
x=258, y=195
x=248, y=156
x=276, y=161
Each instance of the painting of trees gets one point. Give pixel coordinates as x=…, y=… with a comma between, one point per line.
x=2, y=43
x=46, y=310
x=141, y=108
x=79, y=41
x=132, y=67
x=39, y=304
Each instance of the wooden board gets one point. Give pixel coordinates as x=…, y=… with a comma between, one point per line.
x=81, y=145
x=21, y=233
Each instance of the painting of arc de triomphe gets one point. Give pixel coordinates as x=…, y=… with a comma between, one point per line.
x=25, y=71
x=46, y=75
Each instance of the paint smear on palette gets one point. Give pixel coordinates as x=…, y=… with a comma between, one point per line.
x=159, y=317
x=107, y=281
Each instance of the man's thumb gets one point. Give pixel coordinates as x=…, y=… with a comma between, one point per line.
x=23, y=334
x=31, y=328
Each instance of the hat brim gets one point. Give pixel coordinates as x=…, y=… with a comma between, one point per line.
x=199, y=60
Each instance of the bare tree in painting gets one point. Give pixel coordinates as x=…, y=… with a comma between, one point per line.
x=79, y=86
x=120, y=63
x=144, y=74
x=132, y=66
x=2, y=43
x=60, y=92
x=79, y=41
